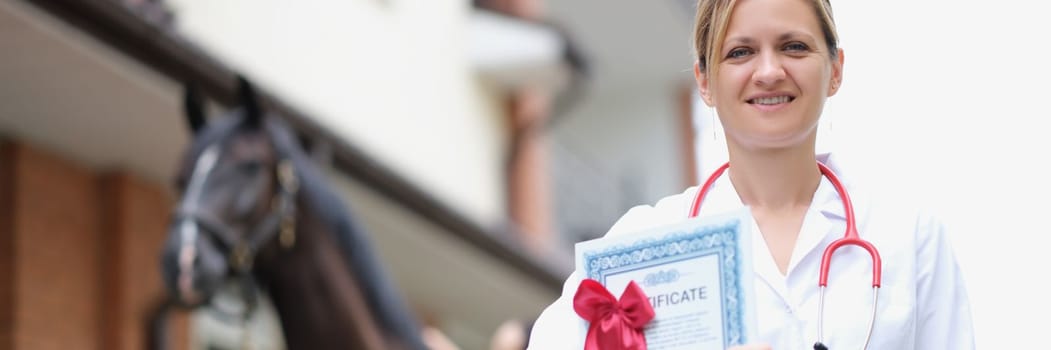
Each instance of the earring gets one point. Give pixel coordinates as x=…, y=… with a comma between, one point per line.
x=715, y=132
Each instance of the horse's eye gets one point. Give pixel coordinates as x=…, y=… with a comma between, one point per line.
x=250, y=167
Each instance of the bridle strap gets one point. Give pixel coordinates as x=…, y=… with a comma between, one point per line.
x=279, y=223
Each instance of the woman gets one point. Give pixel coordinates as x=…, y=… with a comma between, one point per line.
x=767, y=67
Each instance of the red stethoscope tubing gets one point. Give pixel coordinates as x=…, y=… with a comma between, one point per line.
x=850, y=237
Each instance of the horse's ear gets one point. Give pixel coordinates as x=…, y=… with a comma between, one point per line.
x=250, y=101
x=193, y=108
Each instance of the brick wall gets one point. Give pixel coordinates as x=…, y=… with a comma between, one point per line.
x=6, y=249
x=81, y=252
x=134, y=229
x=56, y=265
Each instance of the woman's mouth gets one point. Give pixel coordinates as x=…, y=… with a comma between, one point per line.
x=770, y=101
x=768, y=104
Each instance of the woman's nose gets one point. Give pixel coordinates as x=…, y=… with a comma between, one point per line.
x=769, y=71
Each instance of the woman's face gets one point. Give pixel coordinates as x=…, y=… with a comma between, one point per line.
x=774, y=75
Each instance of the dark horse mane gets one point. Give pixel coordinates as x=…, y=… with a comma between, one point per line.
x=321, y=199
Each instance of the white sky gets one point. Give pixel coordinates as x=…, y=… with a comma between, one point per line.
x=950, y=99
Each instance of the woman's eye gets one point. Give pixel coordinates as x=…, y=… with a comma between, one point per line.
x=738, y=53
x=796, y=46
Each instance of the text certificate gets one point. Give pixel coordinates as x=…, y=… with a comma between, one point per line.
x=697, y=275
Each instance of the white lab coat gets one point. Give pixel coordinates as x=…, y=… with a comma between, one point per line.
x=922, y=303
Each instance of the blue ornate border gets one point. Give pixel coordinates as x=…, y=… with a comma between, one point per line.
x=721, y=240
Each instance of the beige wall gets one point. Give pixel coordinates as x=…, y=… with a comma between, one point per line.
x=394, y=78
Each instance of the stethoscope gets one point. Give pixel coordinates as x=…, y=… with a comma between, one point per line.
x=850, y=237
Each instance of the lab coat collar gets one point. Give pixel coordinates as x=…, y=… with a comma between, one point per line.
x=826, y=198
x=826, y=208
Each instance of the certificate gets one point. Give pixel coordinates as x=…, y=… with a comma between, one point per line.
x=697, y=275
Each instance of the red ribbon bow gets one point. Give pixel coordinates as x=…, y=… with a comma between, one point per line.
x=615, y=325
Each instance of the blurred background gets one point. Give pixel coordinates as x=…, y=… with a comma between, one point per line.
x=475, y=142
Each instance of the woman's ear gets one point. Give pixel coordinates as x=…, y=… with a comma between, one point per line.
x=837, y=74
x=702, y=84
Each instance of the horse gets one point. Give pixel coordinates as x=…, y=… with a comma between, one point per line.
x=254, y=211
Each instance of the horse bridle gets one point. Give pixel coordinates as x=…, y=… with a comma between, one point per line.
x=280, y=222
x=241, y=250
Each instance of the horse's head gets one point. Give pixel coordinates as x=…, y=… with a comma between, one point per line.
x=236, y=199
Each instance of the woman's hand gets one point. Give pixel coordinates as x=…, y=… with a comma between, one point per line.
x=751, y=347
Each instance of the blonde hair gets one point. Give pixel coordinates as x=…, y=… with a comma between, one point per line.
x=713, y=17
